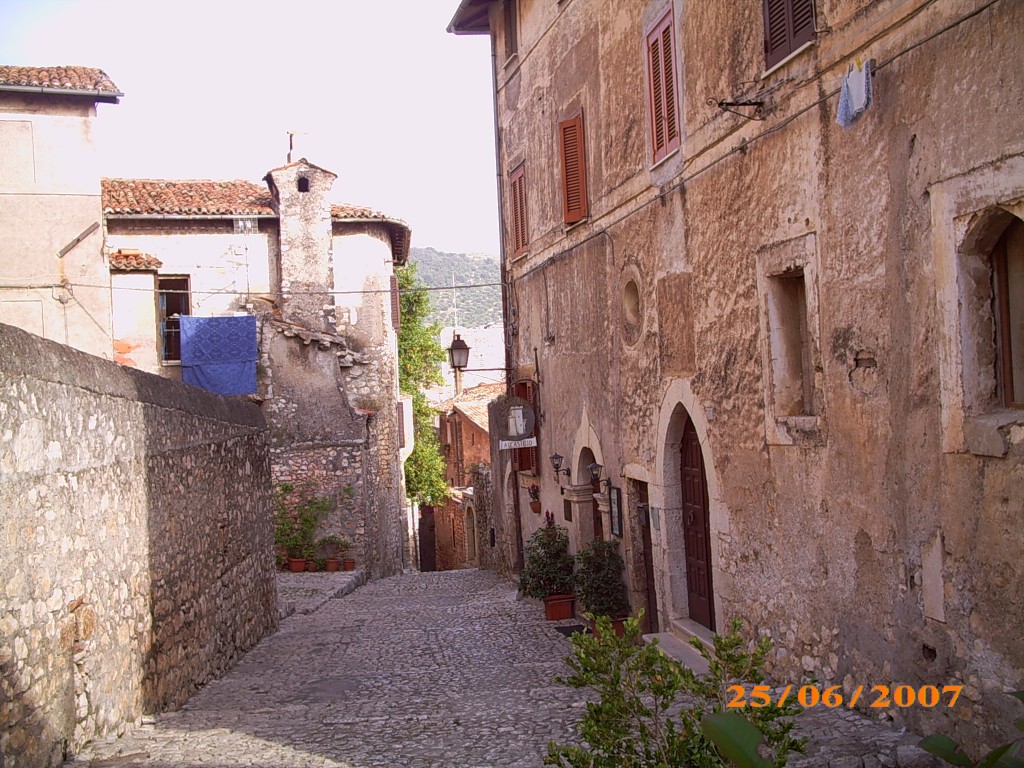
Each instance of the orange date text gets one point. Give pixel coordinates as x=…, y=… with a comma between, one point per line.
x=876, y=696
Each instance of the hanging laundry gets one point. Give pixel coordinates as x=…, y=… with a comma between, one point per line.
x=219, y=354
x=856, y=95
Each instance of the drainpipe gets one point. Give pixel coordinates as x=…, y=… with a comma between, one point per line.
x=517, y=566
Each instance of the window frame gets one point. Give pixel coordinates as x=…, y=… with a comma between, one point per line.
x=518, y=210
x=663, y=86
x=527, y=459
x=789, y=25
x=1005, y=340
x=572, y=146
x=167, y=324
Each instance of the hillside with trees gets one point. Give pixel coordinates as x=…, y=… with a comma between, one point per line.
x=476, y=307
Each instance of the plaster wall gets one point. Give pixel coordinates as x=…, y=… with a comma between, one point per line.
x=827, y=528
x=49, y=196
x=138, y=542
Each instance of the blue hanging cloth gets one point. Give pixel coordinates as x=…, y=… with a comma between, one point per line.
x=856, y=93
x=219, y=354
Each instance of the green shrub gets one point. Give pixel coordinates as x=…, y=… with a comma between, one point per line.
x=1007, y=755
x=297, y=512
x=600, y=585
x=548, y=567
x=652, y=712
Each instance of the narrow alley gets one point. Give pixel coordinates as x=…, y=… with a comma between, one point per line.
x=438, y=670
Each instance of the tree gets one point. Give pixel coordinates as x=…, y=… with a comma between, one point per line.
x=419, y=356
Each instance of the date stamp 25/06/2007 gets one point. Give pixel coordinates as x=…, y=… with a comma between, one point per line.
x=877, y=696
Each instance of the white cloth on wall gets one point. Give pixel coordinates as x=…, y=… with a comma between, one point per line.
x=856, y=94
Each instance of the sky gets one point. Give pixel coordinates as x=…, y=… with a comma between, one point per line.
x=377, y=91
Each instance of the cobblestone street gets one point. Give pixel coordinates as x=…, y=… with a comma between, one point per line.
x=434, y=669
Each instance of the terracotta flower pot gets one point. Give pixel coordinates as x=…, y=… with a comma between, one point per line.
x=559, y=607
x=296, y=564
x=332, y=564
x=349, y=564
x=311, y=565
x=535, y=506
x=618, y=627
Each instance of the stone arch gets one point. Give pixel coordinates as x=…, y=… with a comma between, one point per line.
x=678, y=406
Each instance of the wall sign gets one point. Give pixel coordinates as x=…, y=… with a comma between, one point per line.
x=516, y=421
x=615, y=510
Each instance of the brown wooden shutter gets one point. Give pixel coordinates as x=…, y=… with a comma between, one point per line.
x=661, y=81
x=525, y=459
x=401, y=423
x=574, y=170
x=517, y=202
x=788, y=24
x=396, y=305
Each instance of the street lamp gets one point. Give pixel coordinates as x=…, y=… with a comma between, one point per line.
x=595, y=476
x=556, y=463
x=458, y=354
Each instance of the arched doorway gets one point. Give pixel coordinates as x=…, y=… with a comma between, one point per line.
x=595, y=530
x=696, y=522
x=470, y=535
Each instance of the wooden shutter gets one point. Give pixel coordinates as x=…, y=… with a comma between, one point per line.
x=517, y=202
x=661, y=81
x=574, y=170
x=396, y=306
x=788, y=24
x=401, y=423
x=525, y=459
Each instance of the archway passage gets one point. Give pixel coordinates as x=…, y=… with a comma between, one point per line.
x=696, y=528
x=470, y=536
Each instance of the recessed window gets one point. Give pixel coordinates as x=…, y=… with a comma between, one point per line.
x=661, y=86
x=517, y=202
x=788, y=24
x=631, y=303
x=303, y=184
x=791, y=368
x=1008, y=295
x=511, y=28
x=173, y=301
x=574, y=170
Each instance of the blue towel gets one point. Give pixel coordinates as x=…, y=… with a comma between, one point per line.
x=856, y=94
x=219, y=353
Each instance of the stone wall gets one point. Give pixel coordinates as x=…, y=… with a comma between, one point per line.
x=135, y=516
x=450, y=532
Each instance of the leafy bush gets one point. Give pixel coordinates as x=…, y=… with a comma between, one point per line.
x=297, y=512
x=652, y=712
x=548, y=567
x=1008, y=755
x=600, y=585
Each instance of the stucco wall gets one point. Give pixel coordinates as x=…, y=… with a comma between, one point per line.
x=872, y=548
x=135, y=513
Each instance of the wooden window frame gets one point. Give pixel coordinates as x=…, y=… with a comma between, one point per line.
x=511, y=24
x=396, y=304
x=663, y=87
x=573, y=151
x=527, y=459
x=168, y=326
x=788, y=25
x=517, y=205
x=1004, y=338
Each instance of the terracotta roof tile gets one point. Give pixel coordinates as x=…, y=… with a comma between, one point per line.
x=133, y=260
x=475, y=412
x=185, y=198
x=481, y=394
x=85, y=79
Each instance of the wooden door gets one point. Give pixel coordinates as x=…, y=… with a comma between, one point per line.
x=696, y=529
x=651, y=623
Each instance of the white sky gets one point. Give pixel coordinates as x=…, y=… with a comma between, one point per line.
x=387, y=99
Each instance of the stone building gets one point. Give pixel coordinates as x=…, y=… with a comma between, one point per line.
x=53, y=277
x=794, y=346
x=319, y=279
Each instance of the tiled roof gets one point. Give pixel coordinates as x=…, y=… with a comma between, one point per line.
x=475, y=412
x=86, y=80
x=481, y=394
x=398, y=230
x=185, y=198
x=133, y=260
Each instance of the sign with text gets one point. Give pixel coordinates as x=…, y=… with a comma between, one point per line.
x=508, y=445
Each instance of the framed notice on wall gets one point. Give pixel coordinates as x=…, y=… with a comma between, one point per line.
x=615, y=510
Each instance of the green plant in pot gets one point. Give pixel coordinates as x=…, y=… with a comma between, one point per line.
x=296, y=516
x=548, y=570
x=600, y=585
x=332, y=549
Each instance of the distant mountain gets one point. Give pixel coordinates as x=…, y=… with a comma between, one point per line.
x=476, y=307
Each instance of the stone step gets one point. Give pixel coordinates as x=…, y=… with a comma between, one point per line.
x=682, y=652
x=684, y=629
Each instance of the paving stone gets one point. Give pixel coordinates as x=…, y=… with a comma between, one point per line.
x=416, y=671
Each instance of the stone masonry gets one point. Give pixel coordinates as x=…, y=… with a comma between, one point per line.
x=135, y=519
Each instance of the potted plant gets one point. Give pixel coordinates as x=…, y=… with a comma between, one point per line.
x=333, y=548
x=600, y=585
x=534, y=491
x=547, y=571
x=296, y=515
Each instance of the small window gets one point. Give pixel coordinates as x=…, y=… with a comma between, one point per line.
x=1008, y=294
x=511, y=28
x=574, y=170
x=396, y=304
x=788, y=24
x=792, y=371
x=173, y=299
x=662, y=85
x=517, y=201
x=303, y=184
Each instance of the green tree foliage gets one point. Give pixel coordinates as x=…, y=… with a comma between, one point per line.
x=419, y=356
x=477, y=307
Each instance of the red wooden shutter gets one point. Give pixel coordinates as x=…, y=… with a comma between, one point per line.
x=525, y=459
x=788, y=24
x=517, y=195
x=661, y=80
x=401, y=423
x=396, y=306
x=574, y=170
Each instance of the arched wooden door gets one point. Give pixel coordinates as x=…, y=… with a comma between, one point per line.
x=696, y=529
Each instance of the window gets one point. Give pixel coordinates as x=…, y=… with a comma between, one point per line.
x=525, y=459
x=396, y=304
x=303, y=184
x=574, y=170
x=1008, y=294
x=788, y=24
x=511, y=28
x=792, y=372
x=517, y=199
x=173, y=298
x=661, y=85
